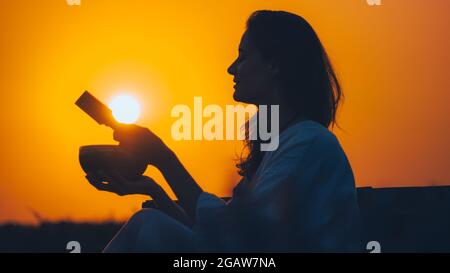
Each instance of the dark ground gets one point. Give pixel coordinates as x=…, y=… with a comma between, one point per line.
x=53, y=237
x=414, y=219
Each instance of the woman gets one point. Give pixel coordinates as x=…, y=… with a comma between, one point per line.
x=300, y=197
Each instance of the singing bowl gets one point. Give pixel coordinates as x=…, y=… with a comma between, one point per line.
x=111, y=157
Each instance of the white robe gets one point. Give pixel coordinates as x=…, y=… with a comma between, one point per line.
x=302, y=198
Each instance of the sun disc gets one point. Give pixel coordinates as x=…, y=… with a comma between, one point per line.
x=125, y=108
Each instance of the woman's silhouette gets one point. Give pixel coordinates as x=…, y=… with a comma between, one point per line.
x=300, y=197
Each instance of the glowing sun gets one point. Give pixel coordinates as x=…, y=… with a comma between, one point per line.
x=125, y=108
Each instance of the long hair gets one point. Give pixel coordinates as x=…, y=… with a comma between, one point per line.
x=305, y=74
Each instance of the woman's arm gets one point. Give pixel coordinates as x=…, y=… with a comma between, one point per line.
x=165, y=204
x=183, y=185
x=146, y=145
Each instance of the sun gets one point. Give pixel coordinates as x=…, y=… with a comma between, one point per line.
x=125, y=108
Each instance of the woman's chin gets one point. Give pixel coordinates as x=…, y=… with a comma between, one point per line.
x=243, y=99
x=238, y=97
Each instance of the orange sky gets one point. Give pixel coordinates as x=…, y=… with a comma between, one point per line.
x=393, y=61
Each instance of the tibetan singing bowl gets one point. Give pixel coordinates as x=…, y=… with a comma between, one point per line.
x=111, y=157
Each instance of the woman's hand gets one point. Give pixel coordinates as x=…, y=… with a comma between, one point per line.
x=149, y=147
x=113, y=182
x=143, y=143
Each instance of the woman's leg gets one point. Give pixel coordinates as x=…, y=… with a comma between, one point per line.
x=150, y=230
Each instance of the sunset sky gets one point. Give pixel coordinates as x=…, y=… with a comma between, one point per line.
x=392, y=60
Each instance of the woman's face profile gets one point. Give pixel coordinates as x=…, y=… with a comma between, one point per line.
x=252, y=76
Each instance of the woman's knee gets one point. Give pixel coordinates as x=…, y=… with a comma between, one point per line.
x=126, y=239
x=146, y=213
x=161, y=233
x=150, y=230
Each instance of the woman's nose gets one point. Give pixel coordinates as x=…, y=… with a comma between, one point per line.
x=232, y=69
